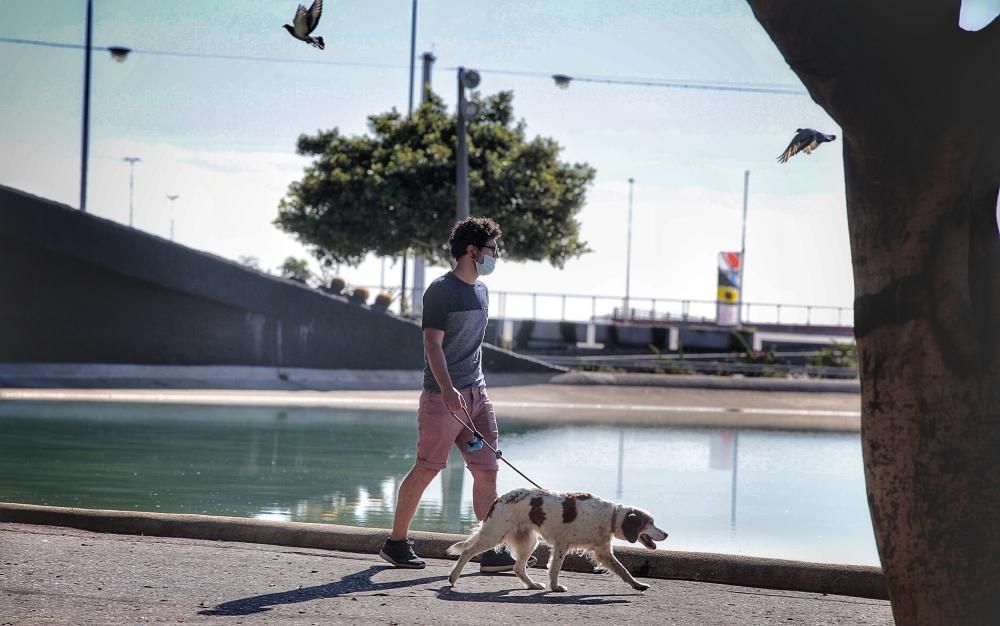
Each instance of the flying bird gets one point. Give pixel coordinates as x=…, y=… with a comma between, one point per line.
x=305, y=23
x=805, y=140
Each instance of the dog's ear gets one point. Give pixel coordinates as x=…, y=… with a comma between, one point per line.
x=631, y=526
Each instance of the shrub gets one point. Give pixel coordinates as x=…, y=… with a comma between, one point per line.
x=337, y=284
x=567, y=330
x=359, y=295
x=660, y=335
x=611, y=337
x=384, y=299
x=837, y=355
x=524, y=334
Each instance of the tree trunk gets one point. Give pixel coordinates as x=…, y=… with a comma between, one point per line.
x=917, y=100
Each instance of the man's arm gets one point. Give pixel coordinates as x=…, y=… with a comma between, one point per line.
x=433, y=339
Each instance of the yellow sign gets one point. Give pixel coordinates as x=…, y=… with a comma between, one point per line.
x=729, y=295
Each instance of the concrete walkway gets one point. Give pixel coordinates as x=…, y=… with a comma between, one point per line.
x=53, y=575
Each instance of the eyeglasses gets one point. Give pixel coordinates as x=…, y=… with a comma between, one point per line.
x=495, y=249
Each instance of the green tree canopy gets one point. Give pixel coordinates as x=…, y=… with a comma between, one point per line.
x=296, y=269
x=393, y=190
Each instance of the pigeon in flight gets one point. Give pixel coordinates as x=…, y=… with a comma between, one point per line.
x=805, y=139
x=305, y=22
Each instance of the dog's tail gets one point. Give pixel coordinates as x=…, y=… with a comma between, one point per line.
x=458, y=548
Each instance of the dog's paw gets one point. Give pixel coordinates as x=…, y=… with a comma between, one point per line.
x=453, y=579
x=559, y=588
x=640, y=586
x=534, y=585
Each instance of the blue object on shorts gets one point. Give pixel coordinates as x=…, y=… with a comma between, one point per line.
x=476, y=443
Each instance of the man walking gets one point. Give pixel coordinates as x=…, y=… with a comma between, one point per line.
x=456, y=309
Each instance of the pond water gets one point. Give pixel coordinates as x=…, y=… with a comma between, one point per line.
x=793, y=495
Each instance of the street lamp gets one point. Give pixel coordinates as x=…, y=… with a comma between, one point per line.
x=172, y=198
x=467, y=79
x=628, y=252
x=562, y=80
x=131, y=183
x=409, y=111
x=119, y=54
x=743, y=246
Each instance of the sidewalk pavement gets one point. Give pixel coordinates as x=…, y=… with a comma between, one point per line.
x=57, y=575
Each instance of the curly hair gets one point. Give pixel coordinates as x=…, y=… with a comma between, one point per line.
x=472, y=230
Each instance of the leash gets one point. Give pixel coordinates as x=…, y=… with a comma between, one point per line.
x=479, y=441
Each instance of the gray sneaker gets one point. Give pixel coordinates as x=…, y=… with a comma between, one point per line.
x=400, y=553
x=493, y=561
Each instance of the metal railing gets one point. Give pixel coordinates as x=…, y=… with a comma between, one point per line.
x=593, y=307
x=590, y=307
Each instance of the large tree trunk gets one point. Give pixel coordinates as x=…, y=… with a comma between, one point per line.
x=919, y=104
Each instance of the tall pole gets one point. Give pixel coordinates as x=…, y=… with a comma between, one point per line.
x=85, y=143
x=418, y=261
x=428, y=59
x=413, y=50
x=461, y=155
x=628, y=253
x=131, y=183
x=409, y=110
x=743, y=243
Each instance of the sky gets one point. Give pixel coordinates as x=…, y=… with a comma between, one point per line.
x=220, y=133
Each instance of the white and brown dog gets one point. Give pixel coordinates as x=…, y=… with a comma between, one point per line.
x=565, y=521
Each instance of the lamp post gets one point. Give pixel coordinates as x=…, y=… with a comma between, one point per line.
x=743, y=245
x=131, y=183
x=172, y=199
x=119, y=54
x=409, y=110
x=416, y=304
x=467, y=79
x=628, y=249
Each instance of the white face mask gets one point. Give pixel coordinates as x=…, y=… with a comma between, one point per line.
x=487, y=266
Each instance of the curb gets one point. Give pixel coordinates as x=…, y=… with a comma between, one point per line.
x=847, y=580
x=122, y=376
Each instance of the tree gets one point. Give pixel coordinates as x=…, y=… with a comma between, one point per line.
x=248, y=260
x=295, y=269
x=394, y=190
x=917, y=99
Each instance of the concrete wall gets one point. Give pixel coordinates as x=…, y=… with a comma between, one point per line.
x=76, y=288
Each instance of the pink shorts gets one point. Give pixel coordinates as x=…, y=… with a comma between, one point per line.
x=438, y=431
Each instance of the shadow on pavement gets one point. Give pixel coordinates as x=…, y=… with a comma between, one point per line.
x=362, y=582
x=540, y=597
x=352, y=583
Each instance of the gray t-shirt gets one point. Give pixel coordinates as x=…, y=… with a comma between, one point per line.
x=461, y=311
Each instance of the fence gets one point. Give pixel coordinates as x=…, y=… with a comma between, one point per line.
x=590, y=307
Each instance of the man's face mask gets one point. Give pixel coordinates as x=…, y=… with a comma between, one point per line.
x=487, y=266
x=489, y=261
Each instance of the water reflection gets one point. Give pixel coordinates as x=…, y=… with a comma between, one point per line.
x=779, y=494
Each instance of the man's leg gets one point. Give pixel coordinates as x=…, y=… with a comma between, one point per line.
x=398, y=549
x=484, y=492
x=410, y=491
x=436, y=432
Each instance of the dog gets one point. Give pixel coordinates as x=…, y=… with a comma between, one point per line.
x=565, y=521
